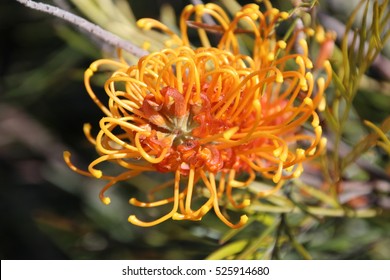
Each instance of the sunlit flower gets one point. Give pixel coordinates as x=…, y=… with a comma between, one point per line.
x=210, y=115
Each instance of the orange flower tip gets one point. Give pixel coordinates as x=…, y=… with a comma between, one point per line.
x=144, y=23
x=299, y=61
x=96, y=173
x=298, y=172
x=282, y=44
x=168, y=43
x=66, y=155
x=252, y=7
x=323, y=142
x=284, y=15
x=303, y=84
x=309, y=64
x=243, y=220
x=310, y=32
x=316, y=120
x=321, y=83
x=146, y=45
x=276, y=178
x=253, y=16
x=327, y=65
x=230, y=132
x=309, y=76
x=277, y=152
x=275, y=11
x=87, y=127
x=279, y=78
x=106, y=200
x=300, y=154
x=320, y=34
x=290, y=168
x=308, y=101
x=283, y=156
x=257, y=105
x=271, y=57
x=246, y=202
x=312, y=152
x=133, y=220
x=302, y=42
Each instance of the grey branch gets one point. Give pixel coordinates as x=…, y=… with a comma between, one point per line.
x=94, y=29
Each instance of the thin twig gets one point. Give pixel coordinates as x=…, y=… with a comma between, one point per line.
x=94, y=29
x=276, y=250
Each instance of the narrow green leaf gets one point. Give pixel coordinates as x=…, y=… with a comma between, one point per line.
x=257, y=243
x=228, y=250
x=339, y=85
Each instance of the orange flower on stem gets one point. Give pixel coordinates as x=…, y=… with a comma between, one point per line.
x=210, y=114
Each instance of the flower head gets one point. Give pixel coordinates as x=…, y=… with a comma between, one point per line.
x=210, y=114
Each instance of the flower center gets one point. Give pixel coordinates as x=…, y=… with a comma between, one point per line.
x=179, y=126
x=170, y=116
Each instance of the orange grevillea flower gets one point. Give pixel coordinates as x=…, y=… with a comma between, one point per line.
x=210, y=115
